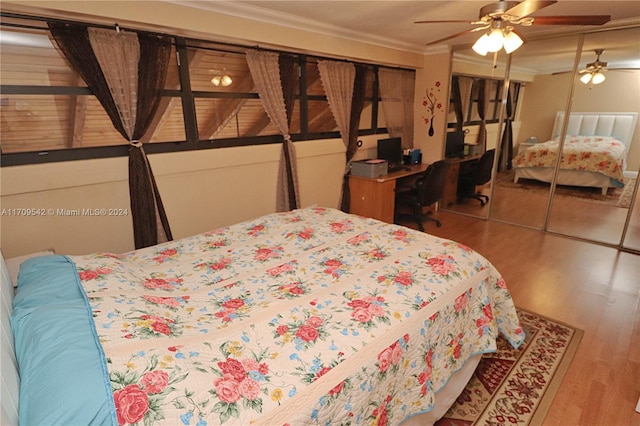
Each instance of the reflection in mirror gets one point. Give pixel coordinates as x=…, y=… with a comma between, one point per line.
x=601, y=153
x=518, y=197
x=473, y=116
x=632, y=232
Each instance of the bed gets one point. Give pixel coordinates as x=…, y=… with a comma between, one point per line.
x=594, y=153
x=312, y=316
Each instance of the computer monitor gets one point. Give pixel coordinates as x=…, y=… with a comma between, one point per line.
x=455, y=144
x=391, y=150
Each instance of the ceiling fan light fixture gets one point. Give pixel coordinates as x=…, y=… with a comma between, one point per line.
x=598, y=78
x=512, y=42
x=495, y=40
x=480, y=46
x=221, y=80
x=226, y=80
x=586, y=78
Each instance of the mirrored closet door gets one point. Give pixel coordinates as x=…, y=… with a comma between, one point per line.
x=632, y=231
x=601, y=151
x=519, y=195
x=474, y=111
x=556, y=99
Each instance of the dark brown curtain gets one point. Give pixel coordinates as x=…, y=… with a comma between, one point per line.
x=457, y=102
x=73, y=42
x=506, y=150
x=152, y=72
x=481, y=88
x=357, y=105
x=146, y=204
x=289, y=81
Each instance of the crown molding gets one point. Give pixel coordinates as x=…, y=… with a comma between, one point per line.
x=256, y=13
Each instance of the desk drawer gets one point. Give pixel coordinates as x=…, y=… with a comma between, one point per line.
x=371, y=198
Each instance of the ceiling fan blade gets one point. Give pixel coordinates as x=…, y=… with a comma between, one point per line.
x=623, y=69
x=603, y=69
x=569, y=72
x=452, y=21
x=572, y=20
x=517, y=31
x=461, y=33
x=528, y=7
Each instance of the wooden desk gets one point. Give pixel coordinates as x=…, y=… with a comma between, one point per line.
x=375, y=197
x=450, y=193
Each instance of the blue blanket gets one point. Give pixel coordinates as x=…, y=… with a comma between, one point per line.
x=63, y=372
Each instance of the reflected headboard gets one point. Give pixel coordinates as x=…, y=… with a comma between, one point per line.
x=620, y=125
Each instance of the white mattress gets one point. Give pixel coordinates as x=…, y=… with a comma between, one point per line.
x=10, y=382
x=565, y=177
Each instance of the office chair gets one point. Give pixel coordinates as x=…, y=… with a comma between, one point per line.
x=474, y=175
x=426, y=191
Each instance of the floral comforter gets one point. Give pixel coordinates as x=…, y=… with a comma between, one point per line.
x=600, y=154
x=308, y=317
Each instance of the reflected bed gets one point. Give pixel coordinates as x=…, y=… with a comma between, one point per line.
x=594, y=152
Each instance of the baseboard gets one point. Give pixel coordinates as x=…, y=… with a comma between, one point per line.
x=630, y=174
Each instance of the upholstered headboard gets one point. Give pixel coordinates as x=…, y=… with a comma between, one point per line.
x=620, y=125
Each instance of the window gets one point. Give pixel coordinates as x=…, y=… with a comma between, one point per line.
x=49, y=114
x=471, y=97
x=45, y=105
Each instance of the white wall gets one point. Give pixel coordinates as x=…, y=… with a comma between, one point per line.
x=433, y=76
x=493, y=134
x=201, y=190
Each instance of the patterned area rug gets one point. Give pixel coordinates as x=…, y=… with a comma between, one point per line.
x=516, y=386
x=627, y=194
x=615, y=196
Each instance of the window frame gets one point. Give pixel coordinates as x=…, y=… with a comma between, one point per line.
x=493, y=112
x=188, y=97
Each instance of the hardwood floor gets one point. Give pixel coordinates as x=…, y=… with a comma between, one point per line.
x=592, y=287
x=581, y=218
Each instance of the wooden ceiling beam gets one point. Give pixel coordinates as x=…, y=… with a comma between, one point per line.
x=217, y=118
x=167, y=105
x=77, y=115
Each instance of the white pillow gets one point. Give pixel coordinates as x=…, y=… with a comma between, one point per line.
x=13, y=264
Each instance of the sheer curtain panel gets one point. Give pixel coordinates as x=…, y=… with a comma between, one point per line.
x=338, y=80
x=265, y=71
x=397, y=92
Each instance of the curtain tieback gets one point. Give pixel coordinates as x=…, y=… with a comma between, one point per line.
x=136, y=143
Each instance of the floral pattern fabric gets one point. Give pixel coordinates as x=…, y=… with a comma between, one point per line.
x=600, y=154
x=311, y=316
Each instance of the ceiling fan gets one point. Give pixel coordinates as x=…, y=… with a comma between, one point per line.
x=498, y=20
x=594, y=71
